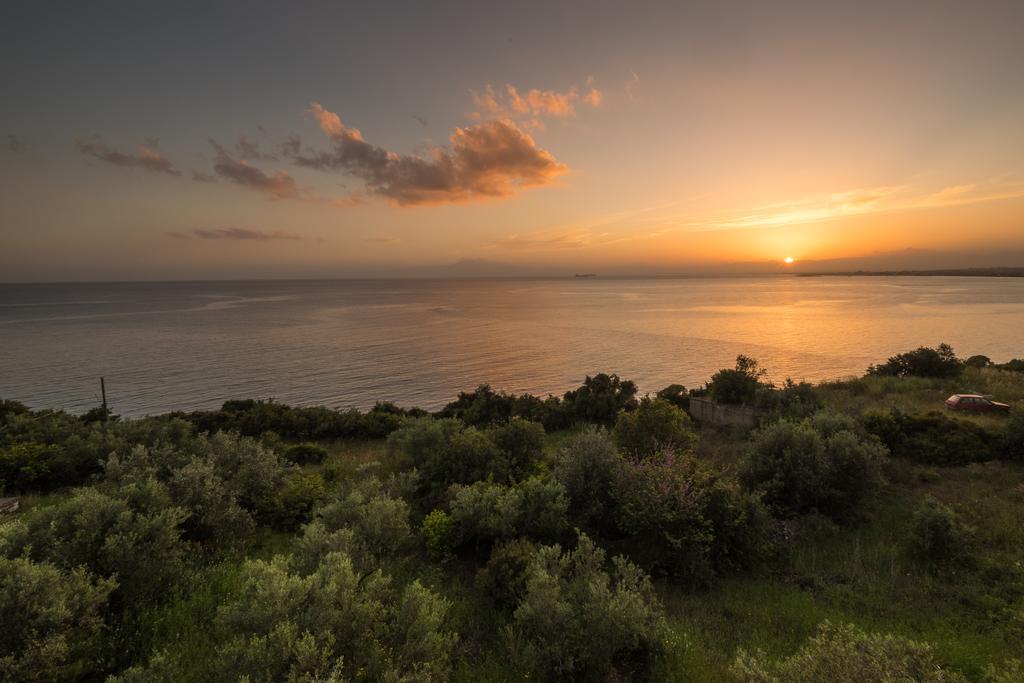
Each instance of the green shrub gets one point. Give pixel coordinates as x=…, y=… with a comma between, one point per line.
x=444, y=452
x=601, y=399
x=332, y=624
x=305, y=454
x=794, y=400
x=939, y=362
x=937, y=537
x=503, y=578
x=485, y=512
x=577, y=621
x=437, y=534
x=845, y=654
x=316, y=542
x=51, y=619
x=135, y=537
x=655, y=424
x=586, y=465
x=380, y=523
x=521, y=447
x=294, y=502
x=817, y=464
x=33, y=467
x=215, y=514
x=680, y=518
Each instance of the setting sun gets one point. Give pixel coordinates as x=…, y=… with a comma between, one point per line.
x=788, y=260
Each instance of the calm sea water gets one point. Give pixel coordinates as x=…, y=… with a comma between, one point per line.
x=167, y=346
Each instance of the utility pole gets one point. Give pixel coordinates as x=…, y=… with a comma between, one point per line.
x=103, y=390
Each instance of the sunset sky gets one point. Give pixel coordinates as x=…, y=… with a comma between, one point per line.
x=182, y=140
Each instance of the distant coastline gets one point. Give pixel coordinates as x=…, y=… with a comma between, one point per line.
x=946, y=272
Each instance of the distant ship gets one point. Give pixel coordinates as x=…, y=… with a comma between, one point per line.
x=586, y=274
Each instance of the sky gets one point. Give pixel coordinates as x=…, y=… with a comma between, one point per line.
x=325, y=139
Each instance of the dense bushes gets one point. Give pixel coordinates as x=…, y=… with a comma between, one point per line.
x=655, y=424
x=446, y=452
x=485, y=407
x=51, y=619
x=672, y=513
x=845, y=654
x=135, y=537
x=933, y=438
x=940, y=362
x=578, y=622
x=486, y=512
x=819, y=464
x=678, y=517
x=305, y=454
x=254, y=418
x=332, y=624
x=34, y=467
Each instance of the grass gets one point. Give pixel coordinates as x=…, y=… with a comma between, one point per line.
x=974, y=616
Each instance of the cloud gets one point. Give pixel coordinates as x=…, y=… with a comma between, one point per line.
x=290, y=146
x=278, y=185
x=633, y=81
x=201, y=177
x=533, y=105
x=487, y=160
x=15, y=145
x=382, y=240
x=148, y=158
x=541, y=241
x=857, y=202
x=234, y=234
x=250, y=150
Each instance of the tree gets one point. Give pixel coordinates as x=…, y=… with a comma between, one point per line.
x=675, y=394
x=924, y=361
x=739, y=385
x=601, y=398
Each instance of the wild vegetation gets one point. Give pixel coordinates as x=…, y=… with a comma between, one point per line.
x=855, y=533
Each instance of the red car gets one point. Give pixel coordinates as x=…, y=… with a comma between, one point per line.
x=975, y=403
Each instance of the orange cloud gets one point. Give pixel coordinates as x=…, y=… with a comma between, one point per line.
x=534, y=104
x=488, y=160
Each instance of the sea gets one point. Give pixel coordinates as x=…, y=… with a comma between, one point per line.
x=163, y=346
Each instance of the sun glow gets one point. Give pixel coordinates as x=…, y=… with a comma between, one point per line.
x=788, y=260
